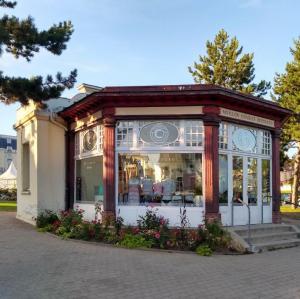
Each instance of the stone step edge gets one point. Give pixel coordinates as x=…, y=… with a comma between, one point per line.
x=277, y=245
x=278, y=234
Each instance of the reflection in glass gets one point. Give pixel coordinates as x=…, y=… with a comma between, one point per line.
x=266, y=179
x=160, y=179
x=237, y=177
x=252, y=181
x=89, y=179
x=223, y=179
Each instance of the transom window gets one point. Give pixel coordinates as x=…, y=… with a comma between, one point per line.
x=223, y=136
x=244, y=139
x=266, y=143
x=89, y=142
x=159, y=134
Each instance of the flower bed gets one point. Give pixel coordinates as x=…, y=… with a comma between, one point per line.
x=152, y=231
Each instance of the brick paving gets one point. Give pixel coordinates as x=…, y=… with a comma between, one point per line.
x=37, y=265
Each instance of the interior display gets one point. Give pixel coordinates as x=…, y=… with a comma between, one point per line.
x=266, y=181
x=89, y=179
x=223, y=179
x=160, y=179
x=237, y=178
x=252, y=181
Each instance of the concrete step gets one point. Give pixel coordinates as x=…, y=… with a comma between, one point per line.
x=265, y=237
x=273, y=245
x=261, y=238
x=260, y=230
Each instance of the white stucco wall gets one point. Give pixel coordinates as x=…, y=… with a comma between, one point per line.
x=51, y=166
x=27, y=201
x=47, y=163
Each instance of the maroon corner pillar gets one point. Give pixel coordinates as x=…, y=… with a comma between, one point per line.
x=211, y=166
x=109, y=205
x=276, y=217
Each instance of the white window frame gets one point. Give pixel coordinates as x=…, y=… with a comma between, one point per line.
x=181, y=149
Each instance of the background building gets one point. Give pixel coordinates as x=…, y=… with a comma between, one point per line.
x=8, y=151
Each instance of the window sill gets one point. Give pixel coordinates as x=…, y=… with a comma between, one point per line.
x=26, y=192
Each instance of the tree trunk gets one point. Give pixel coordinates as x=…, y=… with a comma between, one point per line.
x=295, y=188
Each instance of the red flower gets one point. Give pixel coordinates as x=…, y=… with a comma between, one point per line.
x=157, y=235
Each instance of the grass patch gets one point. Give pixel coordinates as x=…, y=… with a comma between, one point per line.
x=8, y=206
x=289, y=212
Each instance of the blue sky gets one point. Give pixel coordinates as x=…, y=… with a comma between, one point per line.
x=145, y=42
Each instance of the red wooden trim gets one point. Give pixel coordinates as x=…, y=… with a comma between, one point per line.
x=109, y=205
x=276, y=171
x=211, y=166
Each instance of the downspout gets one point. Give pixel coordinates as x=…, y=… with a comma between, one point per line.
x=52, y=120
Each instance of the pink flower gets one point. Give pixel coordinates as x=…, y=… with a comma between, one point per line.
x=157, y=235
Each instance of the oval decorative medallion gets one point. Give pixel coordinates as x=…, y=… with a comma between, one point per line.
x=89, y=140
x=244, y=140
x=159, y=133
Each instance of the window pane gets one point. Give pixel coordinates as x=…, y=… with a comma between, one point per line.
x=223, y=179
x=25, y=167
x=266, y=179
x=237, y=176
x=89, y=179
x=252, y=181
x=167, y=179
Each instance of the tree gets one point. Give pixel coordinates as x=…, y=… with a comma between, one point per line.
x=21, y=38
x=225, y=65
x=287, y=93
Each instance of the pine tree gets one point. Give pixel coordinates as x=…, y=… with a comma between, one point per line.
x=21, y=38
x=287, y=90
x=225, y=65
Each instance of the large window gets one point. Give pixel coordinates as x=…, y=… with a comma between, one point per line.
x=252, y=181
x=266, y=181
x=237, y=178
x=167, y=179
x=89, y=179
x=223, y=179
x=26, y=167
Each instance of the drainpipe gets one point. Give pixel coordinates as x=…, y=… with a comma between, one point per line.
x=52, y=120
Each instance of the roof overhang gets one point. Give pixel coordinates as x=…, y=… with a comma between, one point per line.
x=173, y=95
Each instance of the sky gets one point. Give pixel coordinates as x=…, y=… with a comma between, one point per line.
x=149, y=42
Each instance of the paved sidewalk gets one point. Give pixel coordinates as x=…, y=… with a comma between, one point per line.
x=37, y=265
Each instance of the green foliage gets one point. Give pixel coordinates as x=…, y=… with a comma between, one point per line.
x=8, y=194
x=154, y=228
x=46, y=218
x=21, y=38
x=152, y=232
x=287, y=92
x=135, y=241
x=214, y=236
x=204, y=250
x=225, y=65
x=70, y=218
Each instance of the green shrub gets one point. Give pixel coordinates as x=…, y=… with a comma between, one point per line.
x=204, y=250
x=214, y=235
x=135, y=241
x=46, y=218
x=8, y=194
x=70, y=218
